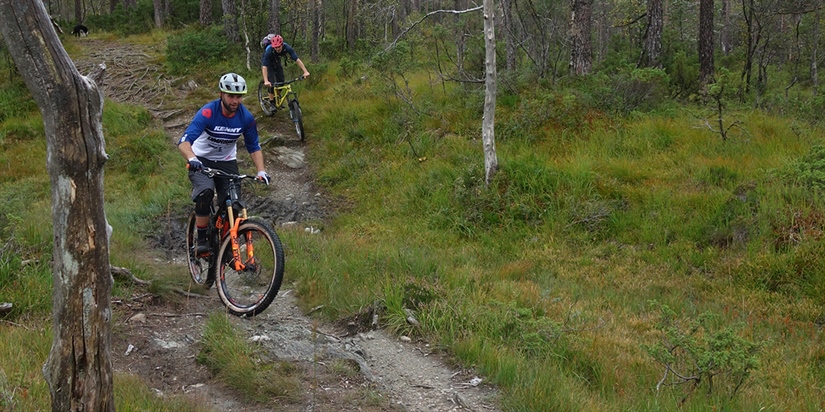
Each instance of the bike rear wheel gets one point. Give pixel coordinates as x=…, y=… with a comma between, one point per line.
x=249, y=291
x=264, y=93
x=297, y=117
x=202, y=268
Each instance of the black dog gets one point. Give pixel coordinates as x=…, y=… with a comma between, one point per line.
x=80, y=30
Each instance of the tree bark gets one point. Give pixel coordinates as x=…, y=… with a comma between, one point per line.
x=815, y=50
x=230, y=21
x=78, y=11
x=488, y=136
x=581, y=54
x=159, y=13
x=725, y=33
x=706, y=70
x=205, y=17
x=275, y=16
x=509, y=34
x=79, y=368
x=352, y=24
x=653, y=40
x=317, y=9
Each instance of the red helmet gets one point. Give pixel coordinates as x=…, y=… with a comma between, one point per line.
x=277, y=41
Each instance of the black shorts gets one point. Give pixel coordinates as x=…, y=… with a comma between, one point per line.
x=201, y=182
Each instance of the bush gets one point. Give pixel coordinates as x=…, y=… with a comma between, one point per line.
x=630, y=89
x=125, y=22
x=194, y=47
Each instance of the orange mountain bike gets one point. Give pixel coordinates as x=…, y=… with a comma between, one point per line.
x=246, y=257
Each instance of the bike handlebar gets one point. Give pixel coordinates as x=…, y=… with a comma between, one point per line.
x=215, y=172
x=288, y=81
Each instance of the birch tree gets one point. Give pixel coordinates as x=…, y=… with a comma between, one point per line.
x=79, y=367
x=489, y=121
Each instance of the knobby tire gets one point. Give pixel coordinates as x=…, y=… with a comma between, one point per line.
x=250, y=291
x=297, y=117
x=263, y=92
x=201, y=268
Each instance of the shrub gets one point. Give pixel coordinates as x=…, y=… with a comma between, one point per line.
x=125, y=22
x=194, y=47
x=694, y=354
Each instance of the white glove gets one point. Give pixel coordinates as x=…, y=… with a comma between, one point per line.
x=263, y=177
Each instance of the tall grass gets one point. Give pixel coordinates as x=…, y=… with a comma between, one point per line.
x=543, y=280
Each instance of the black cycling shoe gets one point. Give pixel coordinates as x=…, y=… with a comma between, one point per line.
x=202, y=248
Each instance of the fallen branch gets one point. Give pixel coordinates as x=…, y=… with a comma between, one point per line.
x=119, y=271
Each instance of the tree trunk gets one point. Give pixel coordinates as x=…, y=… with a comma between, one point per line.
x=317, y=8
x=352, y=24
x=815, y=49
x=205, y=13
x=653, y=40
x=581, y=55
x=79, y=368
x=706, y=70
x=159, y=10
x=78, y=11
x=112, y=6
x=275, y=16
x=509, y=34
x=724, y=34
x=230, y=21
x=460, y=40
x=488, y=136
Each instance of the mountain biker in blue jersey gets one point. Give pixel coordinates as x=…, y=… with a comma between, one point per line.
x=210, y=141
x=271, y=67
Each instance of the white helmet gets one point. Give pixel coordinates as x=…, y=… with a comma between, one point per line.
x=232, y=83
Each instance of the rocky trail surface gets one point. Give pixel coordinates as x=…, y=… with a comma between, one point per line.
x=338, y=369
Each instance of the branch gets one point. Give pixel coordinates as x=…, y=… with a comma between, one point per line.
x=116, y=270
x=428, y=15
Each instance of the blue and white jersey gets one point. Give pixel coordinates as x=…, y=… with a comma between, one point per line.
x=214, y=136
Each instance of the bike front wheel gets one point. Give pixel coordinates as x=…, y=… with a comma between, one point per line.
x=202, y=268
x=297, y=117
x=262, y=94
x=249, y=290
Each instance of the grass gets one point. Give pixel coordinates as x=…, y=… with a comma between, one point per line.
x=545, y=281
x=234, y=361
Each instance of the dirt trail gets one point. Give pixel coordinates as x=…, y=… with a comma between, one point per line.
x=338, y=370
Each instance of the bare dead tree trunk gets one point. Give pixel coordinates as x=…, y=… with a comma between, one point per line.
x=79, y=368
x=205, y=17
x=581, y=55
x=488, y=136
x=275, y=16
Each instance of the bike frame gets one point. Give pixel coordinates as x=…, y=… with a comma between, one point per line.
x=233, y=221
x=284, y=92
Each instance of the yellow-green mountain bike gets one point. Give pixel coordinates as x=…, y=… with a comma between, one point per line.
x=284, y=97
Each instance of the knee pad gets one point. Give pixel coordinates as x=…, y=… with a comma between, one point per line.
x=203, y=202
